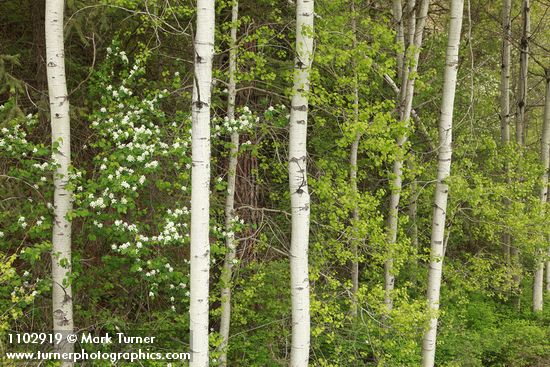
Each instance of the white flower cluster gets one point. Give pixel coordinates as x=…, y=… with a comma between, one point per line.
x=12, y=138
x=22, y=222
x=243, y=123
x=21, y=291
x=116, y=52
x=236, y=220
x=123, y=181
x=46, y=166
x=40, y=221
x=98, y=203
x=125, y=226
x=277, y=108
x=136, y=147
x=171, y=230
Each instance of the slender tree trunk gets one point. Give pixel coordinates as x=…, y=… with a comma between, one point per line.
x=353, y=173
x=523, y=70
x=442, y=188
x=521, y=118
x=545, y=160
x=230, y=242
x=200, y=181
x=299, y=192
x=415, y=34
x=413, y=231
x=417, y=44
x=538, y=284
x=505, y=102
x=399, y=36
x=355, y=219
x=61, y=134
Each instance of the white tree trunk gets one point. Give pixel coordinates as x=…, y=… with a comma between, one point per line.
x=200, y=181
x=420, y=21
x=538, y=284
x=230, y=242
x=415, y=34
x=353, y=173
x=355, y=219
x=520, y=117
x=299, y=193
x=545, y=160
x=505, y=72
x=413, y=229
x=505, y=100
x=62, y=201
x=442, y=188
x=397, y=12
x=523, y=70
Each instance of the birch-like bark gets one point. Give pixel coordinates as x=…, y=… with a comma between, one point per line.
x=353, y=174
x=62, y=300
x=523, y=70
x=200, y=181
x=505, y=72
x=520, y=116
x=538, y=284
x=413, y=206
x=417, y=44
x=397, y=12
x=299, y=192
x=415, y=35
x=505, y=101
x=422, y=129
x=230, y=242
x=442, y=188
x=545, y=160
x=355, y=219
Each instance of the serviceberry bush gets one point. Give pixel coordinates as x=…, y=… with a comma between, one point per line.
x=25, y=213
x=133, y=199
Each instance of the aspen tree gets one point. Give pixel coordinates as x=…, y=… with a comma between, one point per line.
x=230, y=242
x=353, y=171
x=412, y=209
x=523, y=70
x=397, y=13
x=415, y=33
x=299, y=192
x=442, y=188
x=505, y=99
x=520, y=110
x=545, y=160
x=200, y=181
x=62, y=300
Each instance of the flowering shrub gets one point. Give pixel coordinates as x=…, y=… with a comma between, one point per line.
x=25, y=221
x=139, y=154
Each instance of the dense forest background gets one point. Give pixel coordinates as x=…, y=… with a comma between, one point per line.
x=130, y=79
